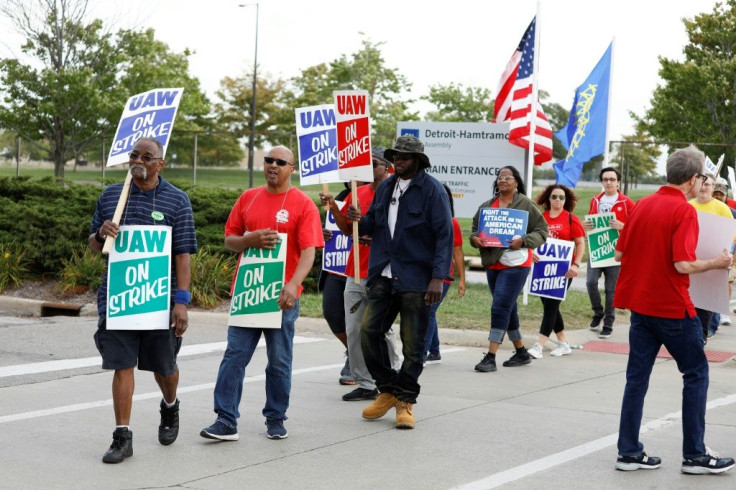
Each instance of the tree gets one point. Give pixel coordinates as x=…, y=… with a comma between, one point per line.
x=636, y=156
x=456, y=103
x=363, y=70
x=697, y=100
x=61, y=93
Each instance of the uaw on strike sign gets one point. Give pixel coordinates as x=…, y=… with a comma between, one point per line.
x=354, y=161
x=138, y=279
x=147, y=115
x=258, y=283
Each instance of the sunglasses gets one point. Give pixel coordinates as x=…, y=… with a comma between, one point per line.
x=559, y=198
x=277, y=161
x=134, y=155
x=398, y=157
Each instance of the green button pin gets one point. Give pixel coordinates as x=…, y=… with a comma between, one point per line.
x=157, y=215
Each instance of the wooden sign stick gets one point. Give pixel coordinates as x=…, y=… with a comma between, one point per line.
x=118, y=211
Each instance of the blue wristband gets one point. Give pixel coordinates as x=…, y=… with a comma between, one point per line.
x=183, y=297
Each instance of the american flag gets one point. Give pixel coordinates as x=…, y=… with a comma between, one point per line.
x=514, y=101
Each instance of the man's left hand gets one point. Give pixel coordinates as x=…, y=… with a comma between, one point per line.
x=179, y=319
x=287, y=298
x=434, y=292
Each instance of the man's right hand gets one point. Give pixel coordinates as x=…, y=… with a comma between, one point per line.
x=353, y=213
x=723, y=260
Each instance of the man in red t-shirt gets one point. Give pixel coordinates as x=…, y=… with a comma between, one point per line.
x=354, y=298
x=255, y=221
x=657, y=253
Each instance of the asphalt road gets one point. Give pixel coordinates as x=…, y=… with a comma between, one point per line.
x=551, y=424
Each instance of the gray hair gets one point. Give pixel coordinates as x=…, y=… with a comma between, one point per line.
x=155, y=142
x=682, y=164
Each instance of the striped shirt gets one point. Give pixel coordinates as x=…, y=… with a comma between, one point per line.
x=173, y=203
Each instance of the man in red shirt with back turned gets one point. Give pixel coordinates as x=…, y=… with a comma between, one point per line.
x=657, y=253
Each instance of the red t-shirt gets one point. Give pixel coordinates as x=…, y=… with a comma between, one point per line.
x=560, y=228
x=498, y=265
x=662, y=229
x=256, y=209
x=365, y=198
x=457, y=241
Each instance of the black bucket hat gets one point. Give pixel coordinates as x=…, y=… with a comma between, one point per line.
x=409, y=144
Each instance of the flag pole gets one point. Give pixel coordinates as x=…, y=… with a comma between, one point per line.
x=608, y=108
x=532, y=131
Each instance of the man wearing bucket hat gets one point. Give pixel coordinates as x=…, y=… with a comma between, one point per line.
x=411, y=250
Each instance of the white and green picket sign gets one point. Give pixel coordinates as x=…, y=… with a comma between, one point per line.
x=258, y=283
x=602, y=240
x=138, y=279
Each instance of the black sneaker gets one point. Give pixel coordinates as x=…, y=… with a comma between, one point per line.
x=360, y=394
x=595, y=322
x=275, y=429
x=519, y=358
x=433, y=359
x=487, y=364
x=704, y=465
x=121, y=447
x=220, y=432
x=605, y=333
x=168, y=429
x=641, y=462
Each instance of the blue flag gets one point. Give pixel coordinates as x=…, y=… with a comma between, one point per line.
x=584, y=137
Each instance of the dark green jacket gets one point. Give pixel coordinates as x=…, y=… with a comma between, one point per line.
x=536, y=228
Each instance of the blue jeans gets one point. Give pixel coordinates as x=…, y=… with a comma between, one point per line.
x=609, y=285
x=505, y=286
x=241, y=343
x=432, y=344
x=383, y=305
x=684, y=341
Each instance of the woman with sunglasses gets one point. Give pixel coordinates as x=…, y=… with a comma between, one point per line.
x=558, y=203
x=508, y=267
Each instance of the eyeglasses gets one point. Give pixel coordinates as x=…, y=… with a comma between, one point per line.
x=278, y=161
x=134, y=155
x=504, y=178
x=402, y=157
x=609, y=179
x=559, y=198
x=704, y=178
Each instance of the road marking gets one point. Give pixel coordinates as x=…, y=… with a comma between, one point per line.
x=548, y=462
x=187, y=350
x=146, y=396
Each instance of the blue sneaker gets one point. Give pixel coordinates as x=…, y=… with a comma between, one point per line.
x=220, y=432
x=276, y=429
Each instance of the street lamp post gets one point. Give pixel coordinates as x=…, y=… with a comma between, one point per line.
x=251, y=139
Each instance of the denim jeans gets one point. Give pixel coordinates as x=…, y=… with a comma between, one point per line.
x=505, y=286
x=241, y=343
x=383, y=305
x=684, y=341
x=609, y=285
x=432, y=344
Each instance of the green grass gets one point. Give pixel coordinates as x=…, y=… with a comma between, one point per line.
x=473, y=311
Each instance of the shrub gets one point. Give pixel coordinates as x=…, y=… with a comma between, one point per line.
x=12, y=265
x=212, y=274
x=83, y=270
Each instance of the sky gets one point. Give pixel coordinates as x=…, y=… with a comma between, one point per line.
x=464, y=42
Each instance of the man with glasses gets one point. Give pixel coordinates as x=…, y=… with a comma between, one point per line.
x=410, y=227
x=255, y=221
x=611, y=200
x=152, y=201
x=657, y=254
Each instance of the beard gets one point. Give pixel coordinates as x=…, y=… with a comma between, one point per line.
x=142, y=171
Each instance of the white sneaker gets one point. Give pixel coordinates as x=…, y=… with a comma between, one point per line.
x=725, y=320
x=535, y=351
x=563, y=349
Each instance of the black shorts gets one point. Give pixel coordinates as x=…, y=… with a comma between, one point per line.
x=150, y=350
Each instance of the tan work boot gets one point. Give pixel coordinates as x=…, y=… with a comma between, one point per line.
x=379, y=407
x=404, y=417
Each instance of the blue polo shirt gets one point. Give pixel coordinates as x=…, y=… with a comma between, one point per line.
x=422, y=245
x=170, y=201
